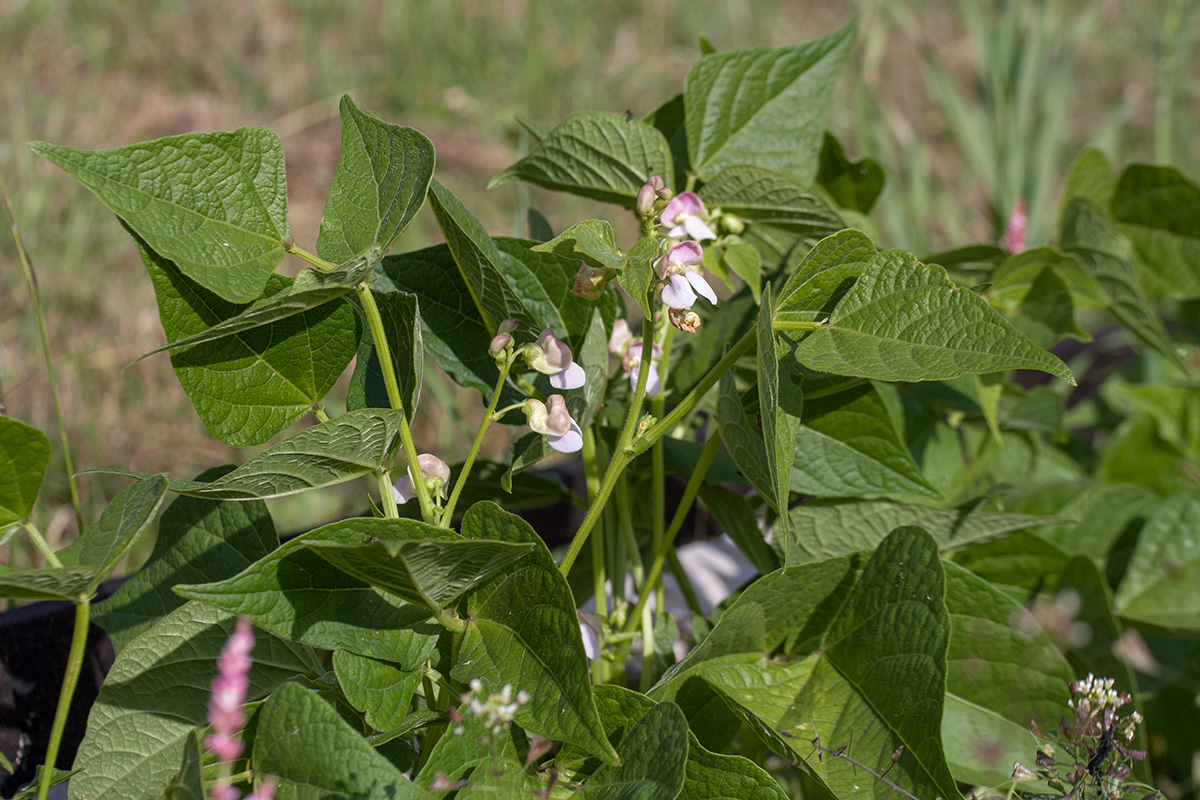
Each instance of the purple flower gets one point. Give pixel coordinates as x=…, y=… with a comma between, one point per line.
x=684, y=282
x=552, y=357
x=229, y=688
x=633, y=364
x=435, y=473
x=552, y=420
x=686, y=215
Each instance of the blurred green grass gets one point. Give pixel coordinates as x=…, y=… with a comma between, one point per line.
x=966, y=105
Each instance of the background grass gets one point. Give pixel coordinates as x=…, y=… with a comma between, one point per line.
x=967, y=105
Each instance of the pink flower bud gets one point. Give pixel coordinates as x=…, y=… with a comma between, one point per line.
x=559, y=419
x=500, y=343
x=433, y=470
x=507, y=326
x=645, y=200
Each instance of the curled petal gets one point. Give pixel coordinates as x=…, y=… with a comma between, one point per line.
x=698, y=229
x=701, y=286
x=558, y=418
x=552, y=356
x=685, y=253
x=402, y=490
x=684, y=204
x=678, y=293
x=537, y=416
x=569, y=442
x=433, y=467
x=570, y=378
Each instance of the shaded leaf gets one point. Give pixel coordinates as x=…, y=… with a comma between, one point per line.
x=1162, y=584
x=591, y=242
x=780, y=403
x=24, y=454
x=107, y=541
x=63, y=583
x=653, y=756
x=187, y=784
x=743, y=440
x=852, y=184
x=737, y=520
x=379, y=689
x=769, y=198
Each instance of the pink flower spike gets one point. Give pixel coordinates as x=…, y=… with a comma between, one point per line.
x=678, y=293
x=701, y=286
x=229, y=689
x=569, y=442
x=1014, y=234
x=265, y=790
x=570, y=378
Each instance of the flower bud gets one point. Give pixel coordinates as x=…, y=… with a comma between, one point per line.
x=664, y=194
x=537, y=417
x=559, y=419
x=732, y=223
x=684, y=320
x=590, y=282
x=507, y=326
x=645, y=201
x=500, y=343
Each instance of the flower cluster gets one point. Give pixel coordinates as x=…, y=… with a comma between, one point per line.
x=434, y=472
x=497, y=710
x=552, y=420
x=225, y=715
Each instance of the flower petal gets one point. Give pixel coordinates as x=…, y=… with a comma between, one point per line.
x=698, y=229
x=402, y=490
x=678, y=293
x=569, y=442
x=686, y=253
x=570, y=378
x=701, y=286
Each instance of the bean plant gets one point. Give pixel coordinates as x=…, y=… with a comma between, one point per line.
x=945, y=546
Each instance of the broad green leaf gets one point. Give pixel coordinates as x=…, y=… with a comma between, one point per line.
x=1158, y=208
x=382, y=175
x=848, y=446
x=1089, y=178
x=826, y=528
x=295, y=594
x=24, y=454
x=1108, y=514
x=107, y=541
x=736, y=518
x=1002, y=672
x=769, y=198
x=523, y=631
x=188, y=784
x=1015, y=276
x=199, y=541
x=252, y=385
x=490, y=764
x=1162, y=584
x=1137, y=453
x=1105, y=254
x=820, y=280
x=1174, y=406
x=906, y=321
x=433, y=571
x=590, y=241
x=596, y=154
x=765, y=106
x=1020, y=559
x=64, y=583
x=1047, y=312
x=852, y=184
x=479, y=262
x=213, y=203
x=303, y=741
x=639, y=274
x=780, y=403
x=743, y=440
x=880, y=671
x=326, y=454
x=401, y=319
x=379, y=689
x=156, y=696
x=744, y=261
x=653, y=762
x=312, y=288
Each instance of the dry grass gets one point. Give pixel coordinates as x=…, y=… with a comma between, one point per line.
x=95, y=75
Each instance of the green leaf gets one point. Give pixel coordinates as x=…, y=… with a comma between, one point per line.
x=1047, y=312
x=769, y=198
x=598, y=155
x=379, y=689
x=401, y=319
x=1002, y=673
x=849, y=445
x=826, y=528
x=249, y=386
x=743, y=440
x=156, y=696
x=63, y=583
x=744, y=261
x=1089, y=178
x=1104, y=253
x=1015, y=276
x=820, y=281
x=638, y=275
x=1162, y=584
x=780, y=403
x=523, y=631
x=295, y=594
x=694, y=356
x=435, y=571
x=765, y=106
x=187, y=784
x=199, y=541
x=653, y=762
x=489, y=763
x=906, y=321
x=479, y=261
x=669, y=119
x=24, y=454
x=1158, y=208
x=1020, y=559
x=213, y=203
x=303, y=741
x=326, y=454
x=379, y=185
x=312, y=288
x=852, y=184
x=590, y=241
x=107, y=541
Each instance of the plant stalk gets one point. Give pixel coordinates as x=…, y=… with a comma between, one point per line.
x=70, y=679
x=487, y=420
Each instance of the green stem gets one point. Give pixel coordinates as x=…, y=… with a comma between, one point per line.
x=449, y=621
x=317, y=262
x=40, y=542
x=621, y=457
x=388, y=367
x=591, y=468
x=685, y=583
x=70, y=678
x=795, y=325
x=488, y=418
x=383, y=479
x=320, y=414
x=711, y=447
x=664, y=425
x=1164, y=99
x=31, y=283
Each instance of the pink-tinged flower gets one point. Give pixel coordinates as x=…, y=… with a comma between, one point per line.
x=552, y=420
x=620, y=339
x=590, y=282
x=684, y=320
x=684, y=281
x=222, y=789
x=265, y=790
x=686, y=215
x=552, y=357
x=435, y=472
x=633, y=364
x=1014, y=234
x=229, y=689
